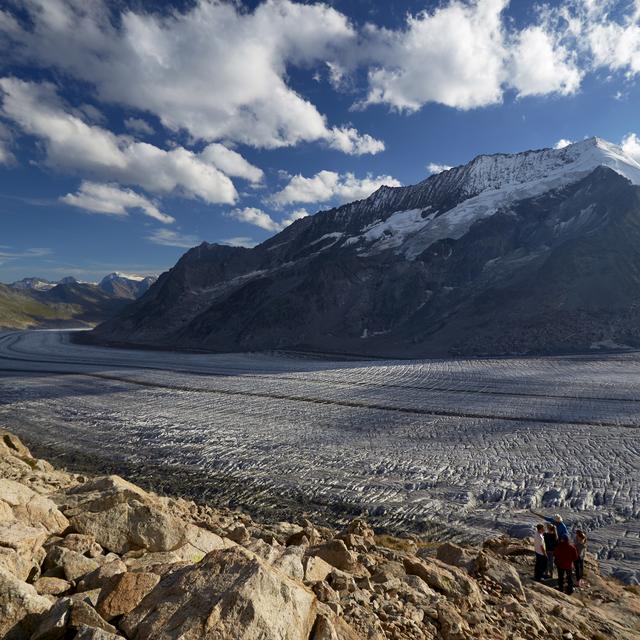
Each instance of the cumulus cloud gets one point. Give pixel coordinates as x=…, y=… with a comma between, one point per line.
x=329, y=185
x=631, y=146
x=231, y=162
x=239, y=241
x=434, y=167
x=541, y=65
x=562, y=143
x=169, y=238
x=260, y=218
x=72, y=144
x=453, y=55
x=243, y=96
x=113, y=200
x=138, y=125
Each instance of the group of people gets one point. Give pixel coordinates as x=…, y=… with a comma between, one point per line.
x=553, y=547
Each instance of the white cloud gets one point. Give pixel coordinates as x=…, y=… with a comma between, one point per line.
x=562, y=143
x=631, y=146
x=169, y=238
x=231, y=162
x=214, y=70
x=434, y=167
x=111, y=199
x=138, y=125
x=348, y=140
x=260, y=218
x=541, y=65
x=453, y=55
x=74, y=145
x=329, y=185
x=255, y=216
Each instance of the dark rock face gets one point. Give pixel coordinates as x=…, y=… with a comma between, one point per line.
x=558, y=271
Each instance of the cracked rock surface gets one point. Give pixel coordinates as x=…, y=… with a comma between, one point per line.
x=273, y=583
x=452, y=449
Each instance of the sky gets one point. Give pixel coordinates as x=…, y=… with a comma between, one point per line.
x=132, y=131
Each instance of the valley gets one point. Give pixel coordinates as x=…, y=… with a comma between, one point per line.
x=452, y=448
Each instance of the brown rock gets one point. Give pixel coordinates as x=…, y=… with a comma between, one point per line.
x=20, y=607
x=74, y=565
x=315, y=569
x=336, y=554
x=123, y=592
x=83, y=614
x=455, y=555
x=232, y=593
x=30, y=508
x=51, y=586
x=91, y=633
x=53, y=624
x=82, y=543
x=98, y=576
x=21, y=549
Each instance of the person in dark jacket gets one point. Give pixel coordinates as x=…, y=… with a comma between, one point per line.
x=565, y=554
x=581, y=546
x=550, y=542
x=556, y=520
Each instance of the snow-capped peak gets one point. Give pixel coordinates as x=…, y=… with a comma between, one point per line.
x=117, y=275
x=480, y=188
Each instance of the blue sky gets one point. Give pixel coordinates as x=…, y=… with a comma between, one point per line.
x=132, y=131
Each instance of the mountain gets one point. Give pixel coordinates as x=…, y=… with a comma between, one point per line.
x=534, y=252
x=127, y=286
x=36, y=302
x=32, y=284
x=19, y=310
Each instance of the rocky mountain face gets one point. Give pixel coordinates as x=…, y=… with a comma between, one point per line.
x=35, y=302
x=99, y=558
x=527, y=253
x=126, y=286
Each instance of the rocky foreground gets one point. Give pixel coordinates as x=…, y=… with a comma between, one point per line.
x=100, y=558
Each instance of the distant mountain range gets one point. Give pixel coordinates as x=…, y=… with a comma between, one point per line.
x=533, y=252
x=36, y=302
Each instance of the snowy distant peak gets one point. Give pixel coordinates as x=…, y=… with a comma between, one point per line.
x=34, y=284
x=117, y=275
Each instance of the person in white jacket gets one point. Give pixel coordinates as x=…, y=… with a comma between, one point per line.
x=541, y=553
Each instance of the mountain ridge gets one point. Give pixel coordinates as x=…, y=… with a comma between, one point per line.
x=374, y=278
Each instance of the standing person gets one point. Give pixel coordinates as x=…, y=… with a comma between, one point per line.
x=565, y=554
x=550, y=542
x=557, y=521
x=581, y=546
x=541, y=553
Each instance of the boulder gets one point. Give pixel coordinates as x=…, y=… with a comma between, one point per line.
x=456, y=556
x=91, y=633
x=315, y=569
x=336, y=554
x=83, y=544
x=31, y=508
x=53, y=625
x=501, y=572
x=83, y=614
x=20, y=607
x=98, y=576
x=447, y=580
x=73, y=564
x=232, y=593
x=51, y=586
x=21, y=550
x=131, y=526
x=123, y=592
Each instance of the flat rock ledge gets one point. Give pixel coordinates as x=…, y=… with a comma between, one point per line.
x=100, y=558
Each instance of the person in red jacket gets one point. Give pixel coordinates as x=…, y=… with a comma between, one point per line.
x=565, y=554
